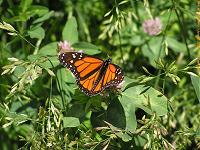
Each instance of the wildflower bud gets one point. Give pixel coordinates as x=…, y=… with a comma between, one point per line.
x=64, y=47
x=152, y=26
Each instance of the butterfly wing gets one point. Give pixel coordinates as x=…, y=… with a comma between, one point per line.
x=85, y=68
x=88, y=72
x=113, y=76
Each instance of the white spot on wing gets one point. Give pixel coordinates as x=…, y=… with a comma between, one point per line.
x=73, y=55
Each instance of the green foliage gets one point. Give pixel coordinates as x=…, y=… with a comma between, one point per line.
x=196, y=82
x=70, y=32
x=88, y=48
x=40, y=105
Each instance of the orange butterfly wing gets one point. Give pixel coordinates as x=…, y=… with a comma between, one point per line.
x=85, y=68
x=112, y=77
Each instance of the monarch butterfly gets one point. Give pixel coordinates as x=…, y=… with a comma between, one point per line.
x=92, y=74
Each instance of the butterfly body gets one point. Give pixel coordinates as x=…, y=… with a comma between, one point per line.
x=92, y=74
x=102, y=71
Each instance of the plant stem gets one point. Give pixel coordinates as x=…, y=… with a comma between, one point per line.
x=25, y=39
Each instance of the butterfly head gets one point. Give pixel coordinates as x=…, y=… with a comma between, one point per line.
x=109, y=60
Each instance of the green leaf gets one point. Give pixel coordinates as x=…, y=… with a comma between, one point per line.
x=196, y=85
x=38, y=33
x=65, y=75
x=116, y=114
x=25, y=4
x=33, y=58
x=25, y=130
x=197, y=133
x=45, y=17
x=76, y=110
x=153, y=50
x=39, y=10
x=70, y=32
x=49, y=49
x=48, y=61
x=70, y=122
x=87, y=48
x=67, y=83
x=136, y=40
x=146, y=98
x=129, y=110
x=175, y=45
x=124, y=136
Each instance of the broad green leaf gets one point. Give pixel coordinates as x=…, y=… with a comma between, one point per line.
x=196, y=85
x=128, y=83
x=70, y=32
x=97, y=119
x=83, y=26
x=129, y=111
x=49, y=49
x=65, y=76
x=38, y=33
x=77, y=110
x=116, y=114
x=175, y=45
x=136, y=40
x=45, y=17
x=39, y=10
x=153, y=50
x=51, y=62
x=33, y=58
x=25, y=4
x=66, y=82
x=70, y=122
x=87, y=48
x=44, y=61
x=32, y=11
x=146, y=98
